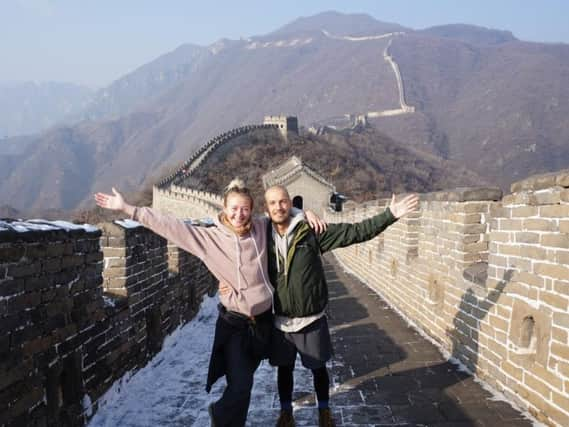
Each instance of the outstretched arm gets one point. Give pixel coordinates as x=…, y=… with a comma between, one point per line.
x=340, y=235
x=192, y=239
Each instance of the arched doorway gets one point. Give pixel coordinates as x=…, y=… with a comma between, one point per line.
x=297, y=202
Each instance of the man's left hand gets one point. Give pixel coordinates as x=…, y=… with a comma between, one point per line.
x=404, y=206
x=315, y=222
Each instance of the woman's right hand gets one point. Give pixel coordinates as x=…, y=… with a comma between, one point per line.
x=114, y=202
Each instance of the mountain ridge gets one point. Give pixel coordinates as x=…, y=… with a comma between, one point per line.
x=320, y=79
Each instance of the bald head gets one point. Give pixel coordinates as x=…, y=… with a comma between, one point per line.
x=278, y=204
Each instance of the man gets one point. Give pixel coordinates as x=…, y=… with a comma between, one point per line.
x=301, y=293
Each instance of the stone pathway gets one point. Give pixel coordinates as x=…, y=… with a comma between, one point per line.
x=383, y=374
x=386, y=374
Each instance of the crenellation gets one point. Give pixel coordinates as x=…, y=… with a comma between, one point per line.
x=62, y=330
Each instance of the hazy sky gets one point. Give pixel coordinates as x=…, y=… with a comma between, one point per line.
x=94, y=42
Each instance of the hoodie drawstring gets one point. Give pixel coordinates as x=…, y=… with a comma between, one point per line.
x=237, y=250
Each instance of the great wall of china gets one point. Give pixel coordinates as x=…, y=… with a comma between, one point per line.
x=484, y=276
x=404, y=108
x=169, y=195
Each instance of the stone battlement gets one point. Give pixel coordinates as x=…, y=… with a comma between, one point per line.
x=80, y=307
x=487, y=277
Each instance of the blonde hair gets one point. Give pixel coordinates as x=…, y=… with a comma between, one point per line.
x=237, y=186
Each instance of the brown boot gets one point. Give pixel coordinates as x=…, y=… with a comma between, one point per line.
x=286, y=419
x=325, y=418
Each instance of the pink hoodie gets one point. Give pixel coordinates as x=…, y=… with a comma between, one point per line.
x=240, y=262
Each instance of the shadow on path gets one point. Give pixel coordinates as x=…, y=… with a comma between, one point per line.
x=385, y=373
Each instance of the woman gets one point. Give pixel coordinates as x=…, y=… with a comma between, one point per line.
x=235, y=252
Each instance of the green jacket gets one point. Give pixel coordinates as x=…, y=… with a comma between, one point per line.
x=301, y=289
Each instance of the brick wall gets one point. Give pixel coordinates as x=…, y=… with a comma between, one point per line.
x=486, y=277
x=81, y=307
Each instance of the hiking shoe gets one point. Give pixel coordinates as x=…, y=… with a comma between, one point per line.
x=286, y=419
x=325, y=418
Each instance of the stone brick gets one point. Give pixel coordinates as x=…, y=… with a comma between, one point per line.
x=524, y=211
x=560, y=350
x=500, y=236
x=519, y=263
x=535, y=182
x=526, y=237
x=510, y=224
x=498, y=322
x=562, y=401
x=55, y=250
x=547, y=376
x=549, y=197
x=11, y=287
x=51, y=265
x=509, y=250
x=473, y=229
x=35, y=283
x=552, y=270
x=533, y=252
x=557, y=301
x=560, y=335
x=564, y=226
x=512, y=370
x=556, y=211
x=539, y=224
x=563, y=368
x=23, y=302
x=475, y=207
x=472, y=218
x=22, y=270
x=555, y=240
x=11, y=253
x=94, y=257
x=561, y=286
x=499, y=211
x=562, y=178
x=561, y=319
x=528, y=278
x=474, y=247
x=74, y=260
x=537, y=386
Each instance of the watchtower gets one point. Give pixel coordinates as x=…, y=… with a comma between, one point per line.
x=285, y=124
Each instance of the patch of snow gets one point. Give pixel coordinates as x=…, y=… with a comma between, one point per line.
x=44, y=225
x=87, y=405
x=65, y=225
x=127, y=223
x=109, y=302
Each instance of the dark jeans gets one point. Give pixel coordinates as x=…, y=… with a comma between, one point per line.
x=240, y=362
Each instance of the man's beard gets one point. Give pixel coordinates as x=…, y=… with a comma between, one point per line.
x=282, y=215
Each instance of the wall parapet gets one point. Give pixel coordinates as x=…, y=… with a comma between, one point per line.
x=81, y=306
x=489, y=282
